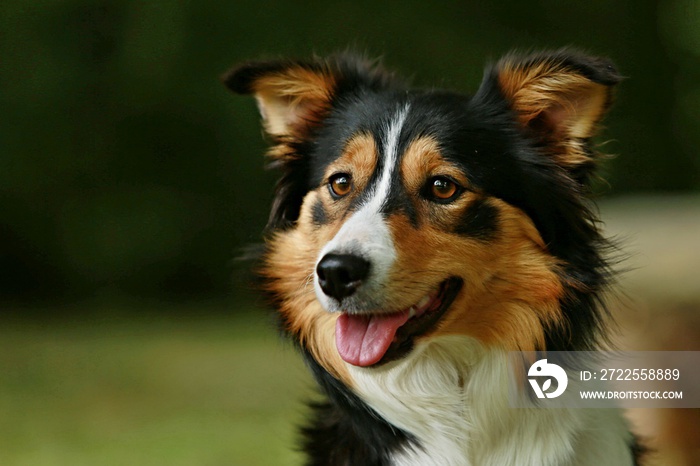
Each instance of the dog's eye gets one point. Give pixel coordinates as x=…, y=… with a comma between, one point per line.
x=340, y=185
x=442, y=189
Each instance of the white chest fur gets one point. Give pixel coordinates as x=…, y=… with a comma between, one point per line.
x=451, y=395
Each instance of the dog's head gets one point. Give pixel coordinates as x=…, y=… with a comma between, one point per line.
x=406, y=215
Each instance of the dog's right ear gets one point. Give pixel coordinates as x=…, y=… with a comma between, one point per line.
x=292, y=96
x=295, y=96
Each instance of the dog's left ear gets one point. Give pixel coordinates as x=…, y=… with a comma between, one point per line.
x=558, y=98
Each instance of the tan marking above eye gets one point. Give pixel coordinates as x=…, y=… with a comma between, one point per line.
x=423, y=162
x=356, y=164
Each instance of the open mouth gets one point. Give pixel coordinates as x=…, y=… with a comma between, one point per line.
x=372, y=339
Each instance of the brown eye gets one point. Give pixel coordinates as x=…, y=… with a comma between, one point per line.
x=340, y=185
x=443, y=189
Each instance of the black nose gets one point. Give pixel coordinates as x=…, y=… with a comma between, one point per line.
x=340, y=275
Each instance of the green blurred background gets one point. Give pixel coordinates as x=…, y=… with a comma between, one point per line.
x=130, y=179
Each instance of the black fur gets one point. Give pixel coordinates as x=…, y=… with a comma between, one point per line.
x=479, y=221
x=639, y=451
x=318, y=214
x=345, y=431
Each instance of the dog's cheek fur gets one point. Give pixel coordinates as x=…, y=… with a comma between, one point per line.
x=511, y=290
x=288, y=269
x=518, y=302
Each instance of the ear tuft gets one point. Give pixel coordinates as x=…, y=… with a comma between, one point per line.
x=240, y=78
x=295, y=96
x=559, y=98
x=292, y=96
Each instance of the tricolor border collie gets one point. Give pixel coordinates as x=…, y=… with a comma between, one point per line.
x=417, y=236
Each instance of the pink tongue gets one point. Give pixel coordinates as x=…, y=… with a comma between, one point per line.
x=363, y=340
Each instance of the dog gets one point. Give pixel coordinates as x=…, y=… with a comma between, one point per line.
x=418, y=236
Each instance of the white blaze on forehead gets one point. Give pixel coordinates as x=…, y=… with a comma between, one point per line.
x=391, y=149
x=366, y=233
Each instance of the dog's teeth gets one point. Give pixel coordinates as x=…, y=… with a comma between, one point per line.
x=411, y=311
x=423, y=302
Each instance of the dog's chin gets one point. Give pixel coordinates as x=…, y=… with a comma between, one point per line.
x=371, y=339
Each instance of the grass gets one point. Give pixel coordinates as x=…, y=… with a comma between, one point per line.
x=148, y=391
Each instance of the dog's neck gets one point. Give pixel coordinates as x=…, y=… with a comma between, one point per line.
x=452, y=396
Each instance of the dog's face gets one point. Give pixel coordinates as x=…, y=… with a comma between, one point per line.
x=404, y=216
